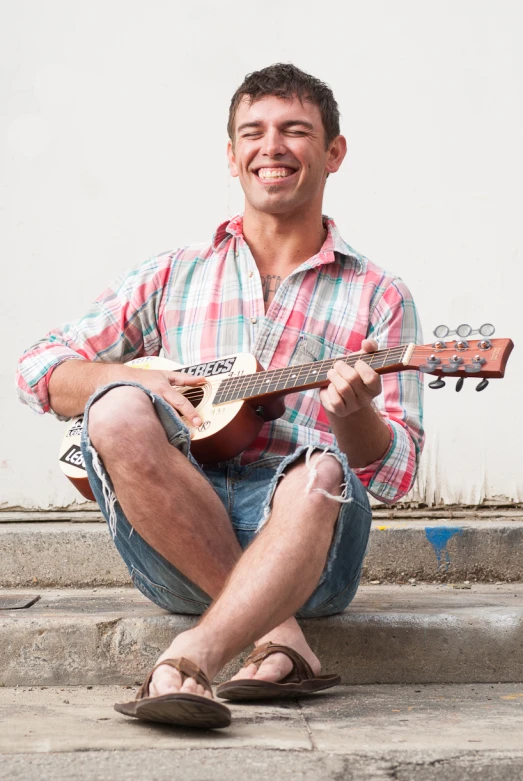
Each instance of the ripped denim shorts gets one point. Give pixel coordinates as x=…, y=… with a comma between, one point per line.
x=246, y=493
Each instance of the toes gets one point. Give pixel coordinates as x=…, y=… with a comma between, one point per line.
x=274, y=668
x=166, y=680
x=191, y=687
x=246, y=672
x=169, y=681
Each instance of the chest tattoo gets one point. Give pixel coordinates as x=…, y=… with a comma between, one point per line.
x=270, y=284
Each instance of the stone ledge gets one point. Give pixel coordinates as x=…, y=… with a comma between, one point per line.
x=82, y=555
x=390, y=634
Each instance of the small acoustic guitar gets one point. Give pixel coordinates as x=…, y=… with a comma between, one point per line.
x=238, y=396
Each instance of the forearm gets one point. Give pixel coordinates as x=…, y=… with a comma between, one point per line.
x=74, y=382
x=363, y=436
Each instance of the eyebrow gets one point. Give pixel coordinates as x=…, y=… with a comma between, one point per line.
x=287, y=124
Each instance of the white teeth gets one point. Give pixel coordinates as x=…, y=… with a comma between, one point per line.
x=274, y=173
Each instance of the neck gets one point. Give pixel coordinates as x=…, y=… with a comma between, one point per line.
x=306, y=375
x=282, y=242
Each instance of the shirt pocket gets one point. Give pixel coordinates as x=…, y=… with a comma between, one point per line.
x=305, y=408
x=310, y=347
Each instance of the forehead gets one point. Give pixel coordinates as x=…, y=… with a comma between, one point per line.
x=271, y=109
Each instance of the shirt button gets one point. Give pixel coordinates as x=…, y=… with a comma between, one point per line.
x=251, y=274
x=254, y=320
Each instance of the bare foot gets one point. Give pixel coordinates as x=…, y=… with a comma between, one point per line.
x=191, y=645
x=277, y=666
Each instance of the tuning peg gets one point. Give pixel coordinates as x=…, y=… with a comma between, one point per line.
x=459, y=384
x=482, y=385
x=436, y=384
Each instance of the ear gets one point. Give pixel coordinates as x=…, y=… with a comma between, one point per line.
x=233, y=168
x=336, y=152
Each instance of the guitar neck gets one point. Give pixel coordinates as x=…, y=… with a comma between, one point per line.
x=306, y=376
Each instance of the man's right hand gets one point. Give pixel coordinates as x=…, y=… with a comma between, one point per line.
x=74, y=382
x=163, y=383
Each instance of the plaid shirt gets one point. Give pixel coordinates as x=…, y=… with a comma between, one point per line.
x=203, y=302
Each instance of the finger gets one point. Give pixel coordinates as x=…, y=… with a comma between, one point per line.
x=343, y=377
x=332, y=401
x=369, y=346
x=370, y=381
x=352, y=386
x=361, y=377
x=182, y=405
x=180, y=378
x=342, y=369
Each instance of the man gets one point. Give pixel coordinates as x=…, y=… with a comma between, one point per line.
x=282, y=529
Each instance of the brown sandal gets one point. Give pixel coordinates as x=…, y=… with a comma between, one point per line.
x=182, y=708
x=300, y=680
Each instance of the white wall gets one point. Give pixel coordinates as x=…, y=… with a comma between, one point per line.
x=113, y=141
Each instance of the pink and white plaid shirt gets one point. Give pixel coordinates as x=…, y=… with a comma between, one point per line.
x=203, y=302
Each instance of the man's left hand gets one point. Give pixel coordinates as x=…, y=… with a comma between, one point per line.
x=351, y=387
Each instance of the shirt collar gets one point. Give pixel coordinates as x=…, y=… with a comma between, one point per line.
x=333, y=244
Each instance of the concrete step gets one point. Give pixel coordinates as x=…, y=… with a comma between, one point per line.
x=390, y=634
x=82, y=554
x=358, y=732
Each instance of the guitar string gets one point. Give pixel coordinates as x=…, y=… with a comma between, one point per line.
x=301, y=371
x=352, y=356
x=231, y=385
x=303, y=374
x=418, y=348
x=298, y=373
x=306, y=368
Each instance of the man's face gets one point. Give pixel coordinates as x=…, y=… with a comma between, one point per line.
x=279, y=154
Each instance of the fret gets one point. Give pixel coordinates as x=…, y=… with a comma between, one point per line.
x=261, y=383
x=241, y=381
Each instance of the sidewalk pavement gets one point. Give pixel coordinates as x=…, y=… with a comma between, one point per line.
x=354, y=733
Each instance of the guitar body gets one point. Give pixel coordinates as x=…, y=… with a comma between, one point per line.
x=225, y=431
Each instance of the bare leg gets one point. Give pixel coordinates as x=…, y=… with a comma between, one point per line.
x=274, y=577
x=277, y=573
x=162, y=495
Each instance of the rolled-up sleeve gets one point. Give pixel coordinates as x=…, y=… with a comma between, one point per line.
x=122, y=324
x=394, y=321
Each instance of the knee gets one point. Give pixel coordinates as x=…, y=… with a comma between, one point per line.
x=122, y=415
x=321, y=472
x=324, y=472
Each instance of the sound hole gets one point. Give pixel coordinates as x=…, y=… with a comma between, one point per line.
x=195, y=395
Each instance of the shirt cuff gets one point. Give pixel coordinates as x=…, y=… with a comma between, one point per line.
x=36, y=393
x=390, y=477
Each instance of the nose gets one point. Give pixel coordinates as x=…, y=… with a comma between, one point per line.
x=273, y=144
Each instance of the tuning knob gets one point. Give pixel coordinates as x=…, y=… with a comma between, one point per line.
x=482, y=385
x=459, y=384
x=436, y=384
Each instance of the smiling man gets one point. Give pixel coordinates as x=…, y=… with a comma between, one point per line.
x=282, y=529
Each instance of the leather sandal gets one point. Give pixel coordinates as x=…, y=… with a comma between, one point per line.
x=180, y=708
x=300, y=680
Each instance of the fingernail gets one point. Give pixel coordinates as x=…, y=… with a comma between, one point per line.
x=197, y=421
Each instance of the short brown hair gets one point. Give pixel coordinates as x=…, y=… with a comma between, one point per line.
x=285, y=80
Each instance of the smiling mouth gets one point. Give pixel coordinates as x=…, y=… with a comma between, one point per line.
x=274, y=174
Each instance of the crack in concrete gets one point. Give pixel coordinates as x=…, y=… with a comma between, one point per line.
x=307, y=726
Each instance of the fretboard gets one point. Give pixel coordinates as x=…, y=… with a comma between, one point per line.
x=300, y=377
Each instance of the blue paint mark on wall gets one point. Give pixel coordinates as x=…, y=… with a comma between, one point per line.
x=438, y=536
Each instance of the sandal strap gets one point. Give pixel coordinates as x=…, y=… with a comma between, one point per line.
x=185, y=667
x=301, y=670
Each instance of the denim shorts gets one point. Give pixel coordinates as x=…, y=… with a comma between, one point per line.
x=246, y=492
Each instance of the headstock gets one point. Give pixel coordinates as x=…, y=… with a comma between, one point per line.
x=462, y=357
